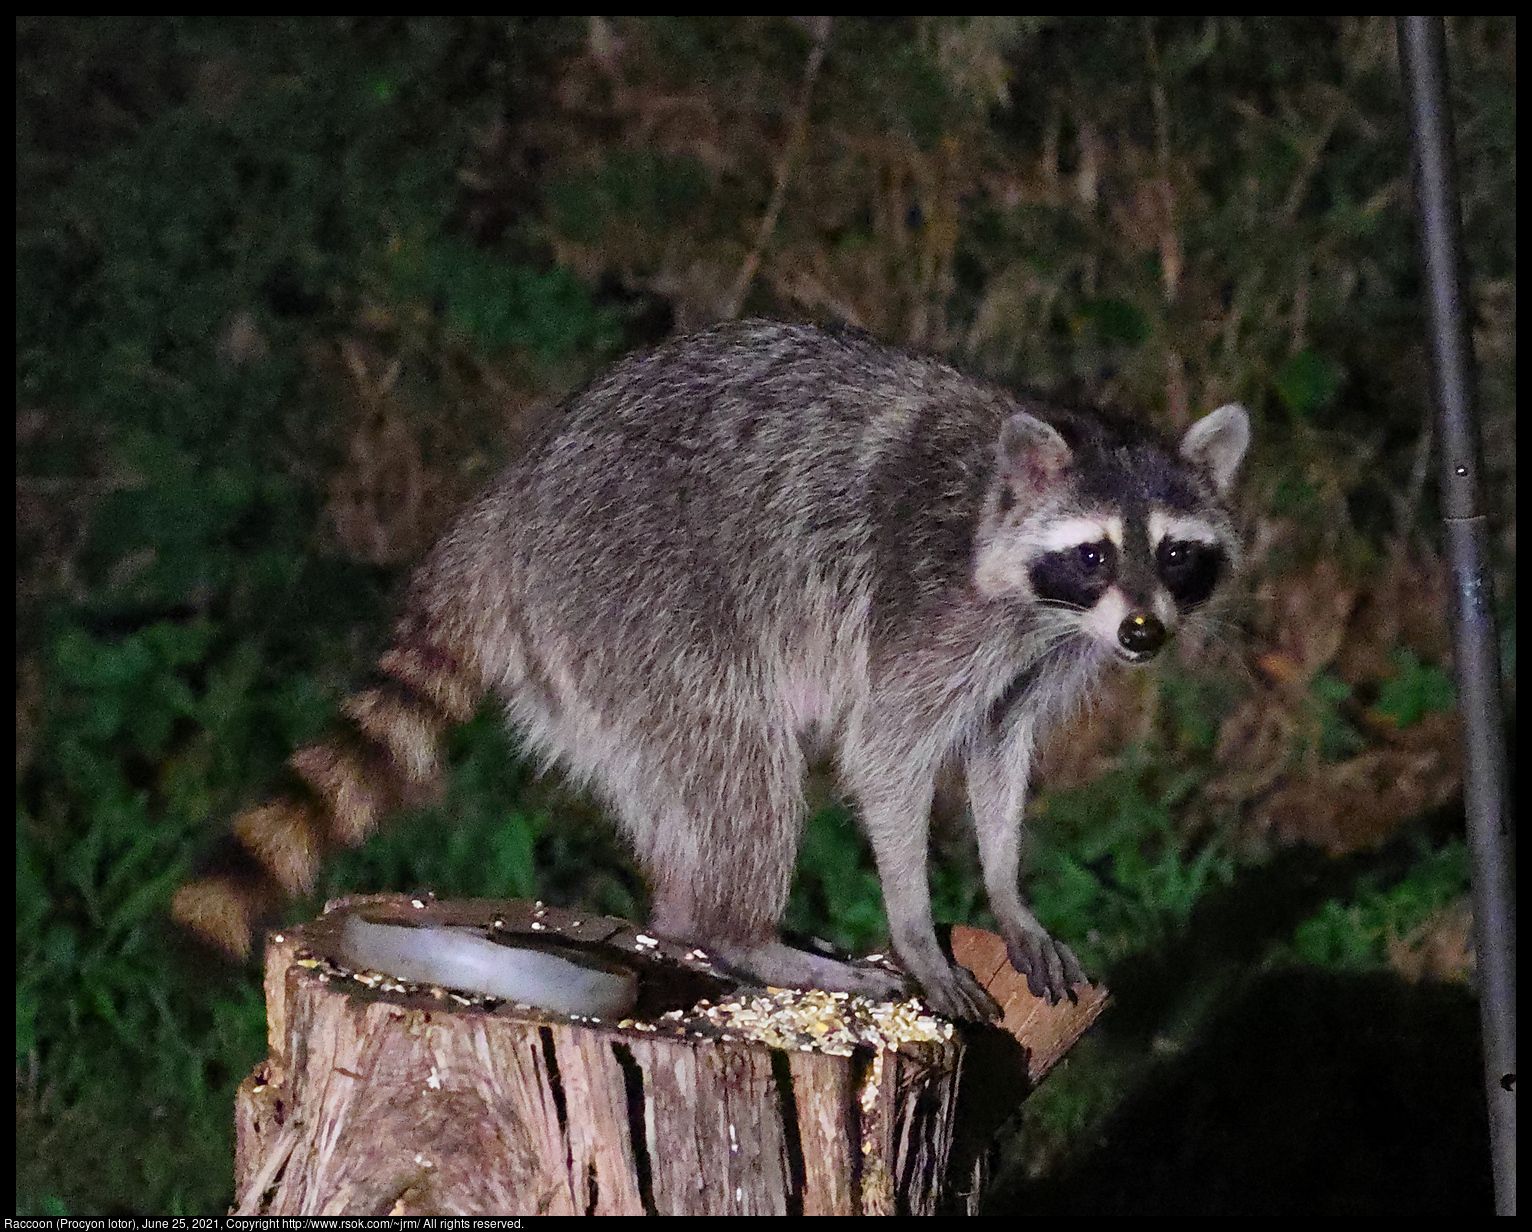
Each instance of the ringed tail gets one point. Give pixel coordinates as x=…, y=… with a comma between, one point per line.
x=384, y=755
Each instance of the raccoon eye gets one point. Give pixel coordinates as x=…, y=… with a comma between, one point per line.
x=1077, y=575
x=1190, y=570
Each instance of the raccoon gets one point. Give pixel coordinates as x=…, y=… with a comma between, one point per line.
x=753, y=542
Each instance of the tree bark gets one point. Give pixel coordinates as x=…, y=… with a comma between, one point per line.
x=382, y=1098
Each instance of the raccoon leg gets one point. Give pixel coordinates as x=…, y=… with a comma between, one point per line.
x=897, y=818
x=730, y=908
x=749, y=943
x=721, y=867
x=997, y=783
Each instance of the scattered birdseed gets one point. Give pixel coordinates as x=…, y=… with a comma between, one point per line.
x=809, y=1020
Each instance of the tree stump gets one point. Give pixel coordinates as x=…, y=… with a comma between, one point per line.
x=380, y=1097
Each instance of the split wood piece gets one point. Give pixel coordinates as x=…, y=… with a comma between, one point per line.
x=1046, y=1031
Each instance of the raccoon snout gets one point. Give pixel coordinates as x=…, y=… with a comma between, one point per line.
x=1141, y=635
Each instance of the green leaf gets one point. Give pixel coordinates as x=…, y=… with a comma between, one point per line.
x=1308, y=382
x=1415, y=690
x=512, y=845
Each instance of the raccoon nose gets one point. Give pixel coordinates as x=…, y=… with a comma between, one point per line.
x=1141, y=635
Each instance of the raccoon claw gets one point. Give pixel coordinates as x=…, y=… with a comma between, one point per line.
x=1051, y=968
x=959, y=995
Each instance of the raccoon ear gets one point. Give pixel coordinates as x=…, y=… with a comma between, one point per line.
x=1032, y=455
x=1217, y=442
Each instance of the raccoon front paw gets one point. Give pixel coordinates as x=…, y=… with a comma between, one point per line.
x=1051, y=968
x=956, y=994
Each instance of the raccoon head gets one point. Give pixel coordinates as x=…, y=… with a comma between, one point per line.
x=1115, y=533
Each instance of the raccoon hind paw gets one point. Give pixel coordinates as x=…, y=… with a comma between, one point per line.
x=782, y=966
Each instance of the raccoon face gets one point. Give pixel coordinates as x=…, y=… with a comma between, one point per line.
x=1122, y=540
x=1129, y=601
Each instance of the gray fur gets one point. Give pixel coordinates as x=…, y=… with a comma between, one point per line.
x=764, y=535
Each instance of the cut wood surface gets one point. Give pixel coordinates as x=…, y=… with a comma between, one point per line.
x=1046, y=1031
x=380, y=1097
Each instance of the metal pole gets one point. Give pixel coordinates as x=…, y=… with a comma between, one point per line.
x=1422, y=59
